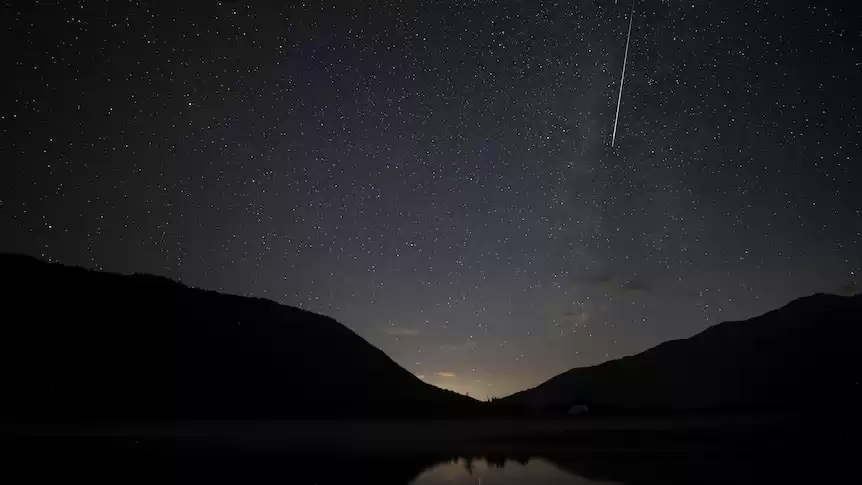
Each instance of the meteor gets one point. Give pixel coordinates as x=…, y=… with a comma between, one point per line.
x=623, y=76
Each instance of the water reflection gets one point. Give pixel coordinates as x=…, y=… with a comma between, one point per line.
x=502, y=471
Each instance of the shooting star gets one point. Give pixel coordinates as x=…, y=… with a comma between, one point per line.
x=623, y=76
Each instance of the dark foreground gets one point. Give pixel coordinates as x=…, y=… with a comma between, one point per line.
x=779, y=449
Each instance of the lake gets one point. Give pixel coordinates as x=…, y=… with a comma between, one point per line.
x=71, y=463
x=644, y=452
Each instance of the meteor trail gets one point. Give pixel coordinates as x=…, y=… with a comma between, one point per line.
x=623, y=76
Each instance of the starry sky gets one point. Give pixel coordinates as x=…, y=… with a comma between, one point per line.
x=438, y=175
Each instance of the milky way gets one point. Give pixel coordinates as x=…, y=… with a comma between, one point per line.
x=437, y=175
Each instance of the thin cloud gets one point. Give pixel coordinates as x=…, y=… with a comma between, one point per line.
x=465, y=345
x=849, y=288
x=444, y=374
x=619, y=284
x=401, y=332
x=577, y=316
x=635, y=286
x=421, y=376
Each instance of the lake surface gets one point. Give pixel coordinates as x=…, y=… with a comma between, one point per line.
x=469, y=471
x=72, y=464
x=433, y=453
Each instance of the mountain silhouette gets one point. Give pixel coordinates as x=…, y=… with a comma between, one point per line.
x=801, y=357
x=82, y=344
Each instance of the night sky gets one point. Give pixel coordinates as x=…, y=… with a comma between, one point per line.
x=438, y=175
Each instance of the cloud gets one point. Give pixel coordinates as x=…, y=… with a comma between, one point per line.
x=635, y=286
x=401, y=332
x=465, y=345
x=421, y=376
x=577, y=316
x=444, y=374
x=596, y=277
x=619, y=284
x=848, y=288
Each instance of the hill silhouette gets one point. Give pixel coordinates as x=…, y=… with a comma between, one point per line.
x=801, y=357
x=81, y=344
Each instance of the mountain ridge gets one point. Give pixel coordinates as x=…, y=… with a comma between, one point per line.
x=83, y=344
x=607, y=385
x=146, y=346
